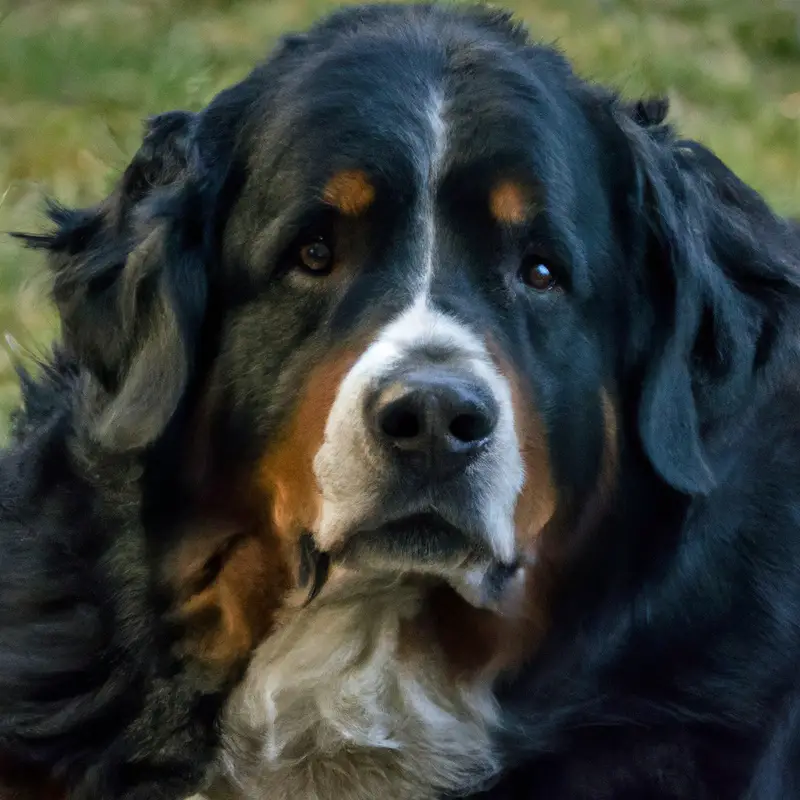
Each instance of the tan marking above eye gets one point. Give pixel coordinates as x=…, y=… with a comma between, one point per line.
x=350, y=191
x=511, y=203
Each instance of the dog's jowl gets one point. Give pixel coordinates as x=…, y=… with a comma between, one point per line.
x=424, y=422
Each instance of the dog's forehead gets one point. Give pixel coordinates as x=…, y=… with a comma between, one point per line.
x=401, y=108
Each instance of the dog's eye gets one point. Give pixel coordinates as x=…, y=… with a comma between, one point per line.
x=316, y=257
x=535, y=273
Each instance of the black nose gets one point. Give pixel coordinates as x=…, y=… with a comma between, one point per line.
x=436, y=417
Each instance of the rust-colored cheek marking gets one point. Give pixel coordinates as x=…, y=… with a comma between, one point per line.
x=228, y=584
x=477, y=644
x=285, y=473
x=537, y=501
x=511, y=203
x=350, y=191
x=232, y=567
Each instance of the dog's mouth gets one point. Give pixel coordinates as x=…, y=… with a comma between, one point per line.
x=420, y=541
x=422, y=544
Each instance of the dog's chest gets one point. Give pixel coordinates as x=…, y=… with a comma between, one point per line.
x=329, y=711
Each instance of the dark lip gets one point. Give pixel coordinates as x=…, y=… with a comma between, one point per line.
x=314, y=566
x=423, y=543
x=425, y=539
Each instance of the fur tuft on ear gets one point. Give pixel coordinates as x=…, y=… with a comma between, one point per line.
x=721, y=269
x=130, y=287
x=649, y=112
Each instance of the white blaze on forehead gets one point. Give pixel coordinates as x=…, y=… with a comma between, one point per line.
x=431, y=172
x=351, y=470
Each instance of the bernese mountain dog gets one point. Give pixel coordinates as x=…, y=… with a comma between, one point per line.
x=425, y=422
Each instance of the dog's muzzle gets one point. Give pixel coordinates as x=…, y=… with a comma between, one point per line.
x=420, y=467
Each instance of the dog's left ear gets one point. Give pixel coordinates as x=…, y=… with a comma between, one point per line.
x=723, y=274
x=130, y=286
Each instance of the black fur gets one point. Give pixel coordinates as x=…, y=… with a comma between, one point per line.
x=671, y=668
x=92, y=691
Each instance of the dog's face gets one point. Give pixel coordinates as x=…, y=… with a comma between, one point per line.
x=420, y=360
x=412, y=291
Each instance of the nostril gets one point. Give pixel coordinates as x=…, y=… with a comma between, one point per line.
x=400, y=423
x=470, y=428
x=435, y=413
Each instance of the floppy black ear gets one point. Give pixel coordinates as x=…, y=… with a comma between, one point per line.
x=722, y=271
x=130, y=286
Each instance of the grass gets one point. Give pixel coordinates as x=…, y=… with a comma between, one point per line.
x=78, y=76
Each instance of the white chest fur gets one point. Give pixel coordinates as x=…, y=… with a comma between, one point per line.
x=329, y=710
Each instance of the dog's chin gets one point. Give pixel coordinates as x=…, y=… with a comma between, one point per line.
x=428, y=546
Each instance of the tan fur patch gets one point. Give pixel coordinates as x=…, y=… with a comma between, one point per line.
x=232, y=569
x=286, y=471
x=537, y=501
x=477, y=644
x=228, y=587
x=511, y=203
x=350, y=191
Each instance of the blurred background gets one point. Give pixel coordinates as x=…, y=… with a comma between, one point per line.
x=78, y=76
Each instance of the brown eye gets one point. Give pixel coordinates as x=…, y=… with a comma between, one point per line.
x=316, y=257
x=537, y=275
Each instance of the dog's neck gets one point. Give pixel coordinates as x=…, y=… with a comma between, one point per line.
x=339, y=704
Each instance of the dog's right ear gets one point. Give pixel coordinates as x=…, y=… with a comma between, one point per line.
x=130, y=286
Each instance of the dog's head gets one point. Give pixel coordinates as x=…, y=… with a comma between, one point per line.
x=408, y=299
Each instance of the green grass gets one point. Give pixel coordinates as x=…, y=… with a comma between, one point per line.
x=77, y=78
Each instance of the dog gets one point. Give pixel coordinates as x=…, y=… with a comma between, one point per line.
x=424, y=422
